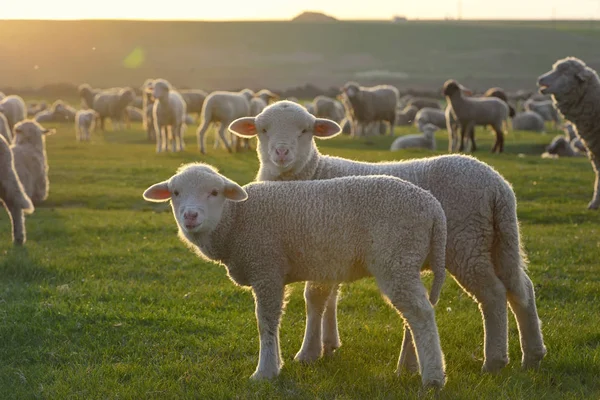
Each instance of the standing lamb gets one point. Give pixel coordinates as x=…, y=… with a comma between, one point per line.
x=473, y=111
x=12, y=195
x=31, y=163
x=424, y=141
x=147, y=103
x=85, y=121
x=5, y=129
x=372, y=104
x=528, y=121
x=14, y=109
x=575, y=90
x=113, y=104
x=484, y=251
x=168, y=115
x=405, y=224
x=223, y=108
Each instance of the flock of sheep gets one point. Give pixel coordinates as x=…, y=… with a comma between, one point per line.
x=450, y=212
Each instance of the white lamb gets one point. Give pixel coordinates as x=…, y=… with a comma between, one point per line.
x=484, y=251
x=31, y=163
x=14, y=109
x=323, y=240
x=168, y=114
x=418, y=141
x=85, y=121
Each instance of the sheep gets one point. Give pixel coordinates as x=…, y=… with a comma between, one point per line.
x=147, y=102
x=5, y=129
x=501, y=94
x=575, y=90
x=87, y=94
x=223, y=107
x=528, y=121
x=484, y=251
x=135, y=114
x=85, y=121
x=470, y=111
x=12, y=195
x=424, y=141
x=168, y=115
x=406, y=116
x=31, y=163
x=372, y=104
x=310, y=107
x=545, y=109
x=326, y=107
x=267, y=96
x=34, y=108
x=14, y=109
x=63, y=112
x=194, y=100
x=420, y=103
x=45, y=116
x=560, y=147
x=218, y=219
x=433, y=116
x=113, y=104
x=256, y=106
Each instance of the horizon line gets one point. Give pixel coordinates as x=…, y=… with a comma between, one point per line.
x=391, y=19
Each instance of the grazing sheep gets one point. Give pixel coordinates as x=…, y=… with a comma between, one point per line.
x=12, y=195
x=326, y=107
x=31, y=163
x=424, y=141
x=223, y=108
x=433, y=116
x=34, y=108
x=545, y=109
x=85, y=121
x=113, y=104
x=220, y=219
x=560, y=147
x=5, y=129
x=63, y=112
x=528, y=121
x=14, y=109
x=472, y=111
x=372, y=104
x=267, y=96
x=406, y=116
x=575, y=90
x=147, y=102
x=194, y=100
x=168, y=115
x=484, y=251
x=420, y=103
x=135, y=114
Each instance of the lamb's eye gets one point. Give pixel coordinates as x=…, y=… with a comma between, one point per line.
x=176, y=193
x=215, y=192
x=264, y=130
x=303, y=130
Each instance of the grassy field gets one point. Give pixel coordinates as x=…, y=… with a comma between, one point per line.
x=105, y=302
x=278, y=55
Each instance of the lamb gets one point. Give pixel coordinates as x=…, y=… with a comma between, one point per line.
x=168, y=114
x=372, y=104
x=528, y=121
x=218, y=219
x=560, y=147
x=147, y=102
x=12, y=195
x=421, y=103
x=45, y=116
x=5, y=129
x=85, y=121
x=194, y=100
x=135, y=114
x=87, y=94
x=545, y=109
x=14, y=109
x=31, y=163
x=433, y=116
x=471, y=111
x=484, y=251
x=575, y=90
x=34, y=108
x=63, y=112
x=326, y=107
x=424, y=141
x=267, y=96
x=501, y=94
x=113, y=104
x=406, y=116
x=223, y=108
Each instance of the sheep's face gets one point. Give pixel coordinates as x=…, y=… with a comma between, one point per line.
x=566, y=76
x=429, y=130
x=558, y=146
x=30, y=132
x=198, y=194
x=450, y=88
x=351, y=89
x=285, y=134
x=160, y=89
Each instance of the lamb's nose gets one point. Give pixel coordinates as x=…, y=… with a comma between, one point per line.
x=281, y=151
x=191, y=215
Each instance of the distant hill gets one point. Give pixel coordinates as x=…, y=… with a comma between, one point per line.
x=313, y=16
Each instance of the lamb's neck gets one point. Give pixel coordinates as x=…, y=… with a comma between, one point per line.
x=305, y=171
x=215, y=244
x=457, y=101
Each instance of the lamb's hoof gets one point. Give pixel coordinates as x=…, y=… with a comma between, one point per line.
x=593, y=205
x=19, y=242
x=307, y=357
x=494, y=366
x=263, y=375
x=408, y=367
x=330, y=347
x=437, y=382
x=533, y=361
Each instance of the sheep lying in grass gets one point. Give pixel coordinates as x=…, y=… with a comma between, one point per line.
x=471, y=111
x=372, y=104
x=31, y=163
x=5, y=129
x=433, y=116
x=405, y=225
x=14, y=109
x=528, y=121
x=545, y=109
x=560, y=147
x=12, y=195
x=168, y=115
x=575, y=90
x=223, y=108
x=85, y=121
x=110, y=103
x=424, y=141
x=484, y=250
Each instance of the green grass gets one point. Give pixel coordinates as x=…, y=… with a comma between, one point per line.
x=105, y=302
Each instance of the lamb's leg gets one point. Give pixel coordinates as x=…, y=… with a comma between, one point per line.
x=392, y=122
x=316, y=296
x=408, y=356
x=463, y=132
x=173, y=138
x=200, y=136
x=222, y=136
x=179, y=131
x=472, y=138
x=499, y=144
x=331, y=335
x=595, y=203
x=159, y=138
x=269, y=303
x=18, y=224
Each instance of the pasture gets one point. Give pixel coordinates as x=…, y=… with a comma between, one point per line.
x=104, y=301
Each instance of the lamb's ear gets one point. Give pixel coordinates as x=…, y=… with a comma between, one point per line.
x=158, y=192
x=234, y=192
x=243, y=127
x=466, y=90
x=583, y=76
x=325, y=128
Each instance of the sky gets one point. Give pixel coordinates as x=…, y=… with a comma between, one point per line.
x=286, y=9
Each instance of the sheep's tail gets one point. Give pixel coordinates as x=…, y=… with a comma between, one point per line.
x=438, y=256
